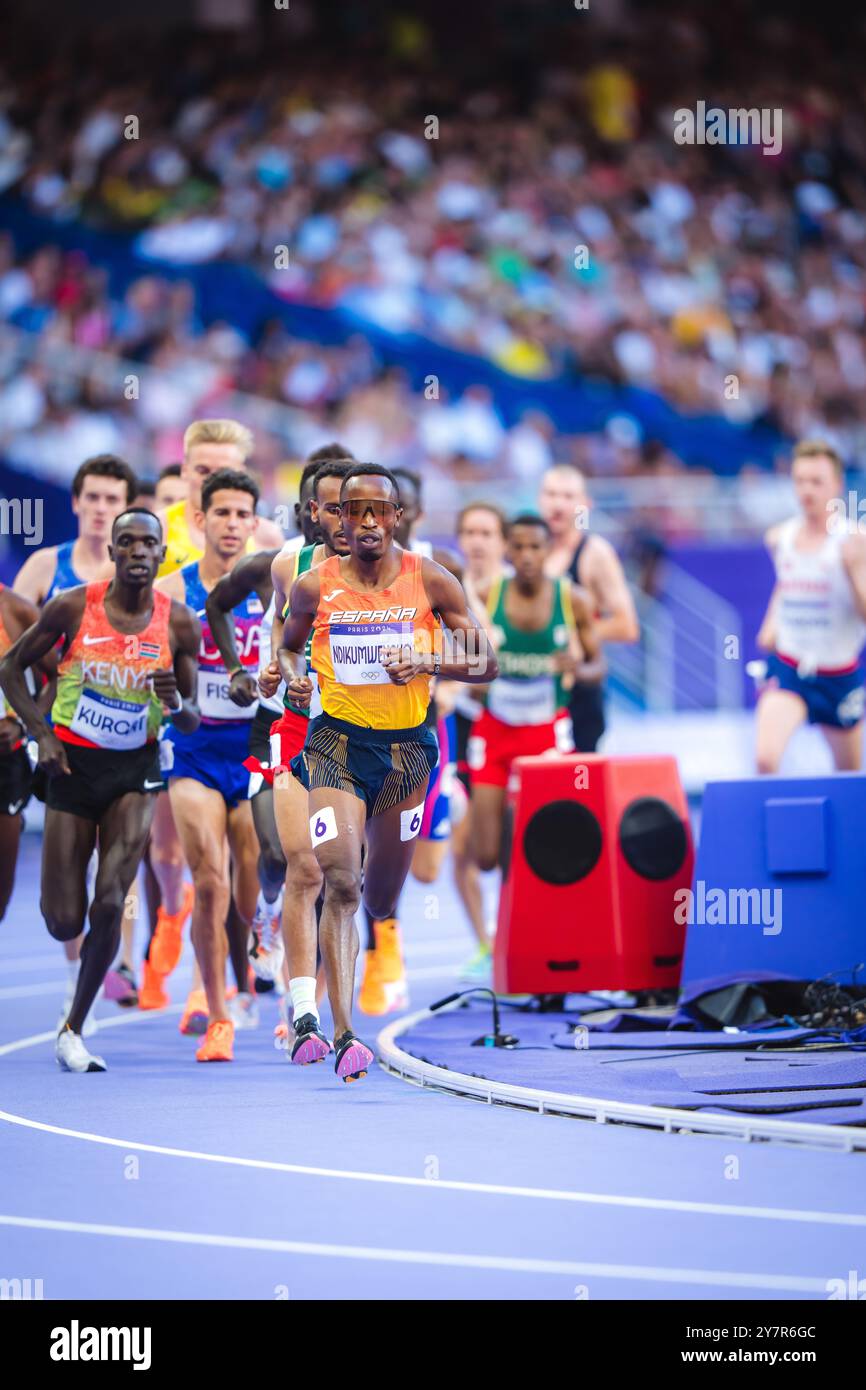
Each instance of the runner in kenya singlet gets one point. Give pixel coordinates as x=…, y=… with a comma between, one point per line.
x=104, y=697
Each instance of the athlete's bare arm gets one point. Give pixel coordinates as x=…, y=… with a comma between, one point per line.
x=291, y=654
x=766, y=638
x=591, y=667
x=854, y=560
x=282, y=569
x=448, y=562
x=59, y=620
x=18, y=614
x=477, y=594
x=33, y=580
x=470, y=656
x=184, y=630
x=605, y=580
x=251, y=575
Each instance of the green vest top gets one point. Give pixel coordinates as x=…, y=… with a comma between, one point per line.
x=527, y=689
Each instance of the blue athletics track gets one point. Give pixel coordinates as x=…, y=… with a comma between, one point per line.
x=163, y=1179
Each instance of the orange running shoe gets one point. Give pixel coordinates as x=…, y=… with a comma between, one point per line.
x=195, y=1014
x=371, y=996
x=167, y=943
x=390, y=953
x=218, y=1045
x=152, y=995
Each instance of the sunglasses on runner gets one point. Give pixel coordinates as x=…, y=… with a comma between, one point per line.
x=359, y=506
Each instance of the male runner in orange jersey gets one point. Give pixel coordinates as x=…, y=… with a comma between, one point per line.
x=270, y=574
x=375, y=617
x=287, y=734
x=129, y=657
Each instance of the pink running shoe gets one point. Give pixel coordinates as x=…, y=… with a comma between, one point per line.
x=311, y=1045
x=120, y=986
x=353, y=1058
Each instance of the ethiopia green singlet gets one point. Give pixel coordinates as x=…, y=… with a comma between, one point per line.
x=527, y=689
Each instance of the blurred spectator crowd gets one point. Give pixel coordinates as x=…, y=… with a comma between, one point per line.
x=301, y=148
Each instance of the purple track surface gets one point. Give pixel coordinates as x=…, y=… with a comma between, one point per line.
x=259, y=1180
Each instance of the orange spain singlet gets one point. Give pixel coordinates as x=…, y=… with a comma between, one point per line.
x=349, y=631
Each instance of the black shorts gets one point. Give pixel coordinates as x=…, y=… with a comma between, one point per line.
x=380, y=766
x=100, y=776
x=16, y=782
x=463, y=726
x=260, y=733
x=586, y=707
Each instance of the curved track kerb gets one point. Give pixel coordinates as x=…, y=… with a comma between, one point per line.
x=408, y=1068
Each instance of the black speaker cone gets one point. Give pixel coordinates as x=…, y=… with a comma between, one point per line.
x=653, y=838
x=562, y=842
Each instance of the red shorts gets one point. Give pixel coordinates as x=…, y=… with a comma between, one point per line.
x=287, y=737
x=493, y=746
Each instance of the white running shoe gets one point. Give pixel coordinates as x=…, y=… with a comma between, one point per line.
x=243, y=1011
x=90, y=1024
x=266, y=940
x=72, y=1055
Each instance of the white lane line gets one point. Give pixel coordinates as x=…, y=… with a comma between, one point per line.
x=820, y=1218
x=132, y=1016
x=30, y=991
x=20, y=964
x=731, y=1279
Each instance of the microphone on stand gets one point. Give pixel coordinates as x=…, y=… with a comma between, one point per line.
x=494, y=1039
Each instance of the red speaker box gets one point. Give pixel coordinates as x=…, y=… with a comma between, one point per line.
x=595, y=848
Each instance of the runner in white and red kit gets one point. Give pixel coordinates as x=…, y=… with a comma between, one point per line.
x=815, y=625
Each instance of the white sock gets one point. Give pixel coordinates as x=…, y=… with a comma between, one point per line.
x=73, y=967
x=303, y=991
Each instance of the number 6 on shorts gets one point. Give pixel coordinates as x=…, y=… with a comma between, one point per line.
x=323, y=826
x=410, y=822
